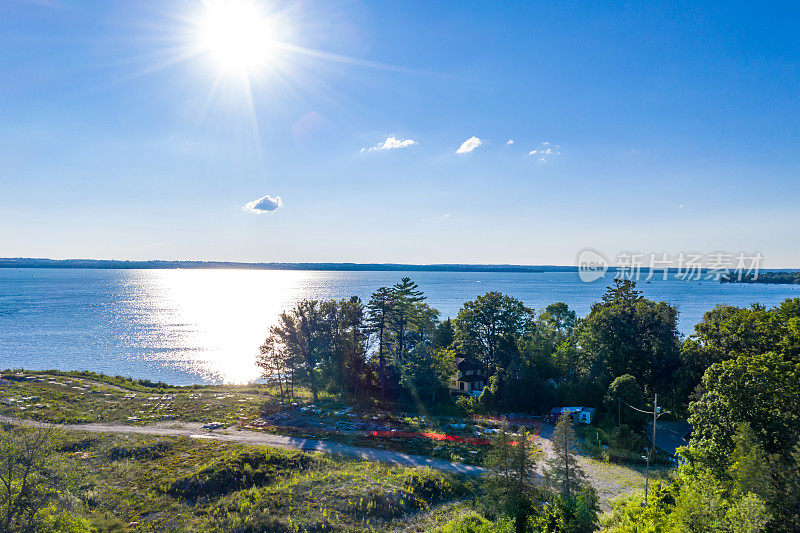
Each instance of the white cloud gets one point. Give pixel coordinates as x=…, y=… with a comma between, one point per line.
x=510, y=141
x=469, y=145
x=263, y=205
x=545, y=151
x=391, y=143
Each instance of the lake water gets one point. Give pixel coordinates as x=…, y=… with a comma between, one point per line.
x=205, y=326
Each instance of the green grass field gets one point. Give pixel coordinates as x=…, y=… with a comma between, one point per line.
x=182, y=484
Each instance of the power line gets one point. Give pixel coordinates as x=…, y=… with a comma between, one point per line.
x=636, y=409
x=656, y=413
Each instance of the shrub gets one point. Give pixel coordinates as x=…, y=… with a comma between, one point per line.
x=141, y=453
x=430, y=486
x=241, y=470
x=475, y=523
x=78, y=445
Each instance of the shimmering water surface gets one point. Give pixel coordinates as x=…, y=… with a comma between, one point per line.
x=201, y=326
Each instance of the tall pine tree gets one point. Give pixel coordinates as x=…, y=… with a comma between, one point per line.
x=379, y=312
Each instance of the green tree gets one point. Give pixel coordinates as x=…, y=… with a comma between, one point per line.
x=511, y=481
x=419, y=372
x=445, y=334
x=379, y=312
x=626, y=333
x=32, y=478
x=354, y=344
x=299, y=332
x=404, y=313
x=724, y=333
x=273, y=363
x=563, y=474
x=559, y=320
x=488, y=324
x=760, y=390
x=785, y=500
x=624, y=392
x=762, y=394
x=788, y=315
x=749, y=468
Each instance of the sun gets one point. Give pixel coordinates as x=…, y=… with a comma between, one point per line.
x=238, y=35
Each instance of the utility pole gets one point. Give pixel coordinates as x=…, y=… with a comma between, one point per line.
x=652, y=446
x=656, y=413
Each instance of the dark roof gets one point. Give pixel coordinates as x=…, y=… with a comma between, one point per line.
x=473, y=378
x=469, y=365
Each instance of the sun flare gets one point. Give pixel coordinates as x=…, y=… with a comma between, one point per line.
x=237, y=34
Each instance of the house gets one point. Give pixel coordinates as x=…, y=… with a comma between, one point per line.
x=470, y=378
x=578, y=415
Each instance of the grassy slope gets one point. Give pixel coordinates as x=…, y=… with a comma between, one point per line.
x=128, y=479
x=82, y=397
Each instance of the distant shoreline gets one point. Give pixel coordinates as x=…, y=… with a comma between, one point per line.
x=113, y=264
x=782, y=277
x=359, y=267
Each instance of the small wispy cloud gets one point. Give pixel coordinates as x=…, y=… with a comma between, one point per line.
x=265, y=204
x=469, y=145
x=391, y=143
x=545, y=151
x=510, y=141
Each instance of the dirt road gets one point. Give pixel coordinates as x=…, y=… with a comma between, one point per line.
x=609, y=480
x=196, y=431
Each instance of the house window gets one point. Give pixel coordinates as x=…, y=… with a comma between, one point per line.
x=461, y=385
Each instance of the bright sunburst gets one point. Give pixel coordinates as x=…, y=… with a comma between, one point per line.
x=237, y=34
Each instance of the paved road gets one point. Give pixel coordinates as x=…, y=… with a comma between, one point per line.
x=669, y=435
x=196, y=431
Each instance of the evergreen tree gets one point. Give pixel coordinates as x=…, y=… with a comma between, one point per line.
x=511, y=483
x=379, y=311
x=404, y=313
x=354, y=344
x=563, y=473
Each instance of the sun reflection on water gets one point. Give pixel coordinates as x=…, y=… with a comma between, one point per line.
x=218, y=318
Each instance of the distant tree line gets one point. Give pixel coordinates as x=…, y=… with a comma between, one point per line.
x=791, y=278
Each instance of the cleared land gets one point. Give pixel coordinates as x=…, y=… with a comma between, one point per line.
x=252, y=415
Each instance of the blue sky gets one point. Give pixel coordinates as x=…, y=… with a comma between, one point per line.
x=671, y=127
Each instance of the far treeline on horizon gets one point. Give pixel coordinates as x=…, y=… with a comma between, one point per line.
x=28, y=262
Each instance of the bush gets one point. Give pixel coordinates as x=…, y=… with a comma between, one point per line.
x=141, y=453
x=241, y=470
x=475, y=523
x=78, y=445
x=430, y=486
x=627, y=439
x=418, y=491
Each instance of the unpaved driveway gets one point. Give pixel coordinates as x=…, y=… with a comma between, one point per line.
x=609, y=480
x=195, y=430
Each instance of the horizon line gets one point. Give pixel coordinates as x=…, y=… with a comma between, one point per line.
x=164, y=264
